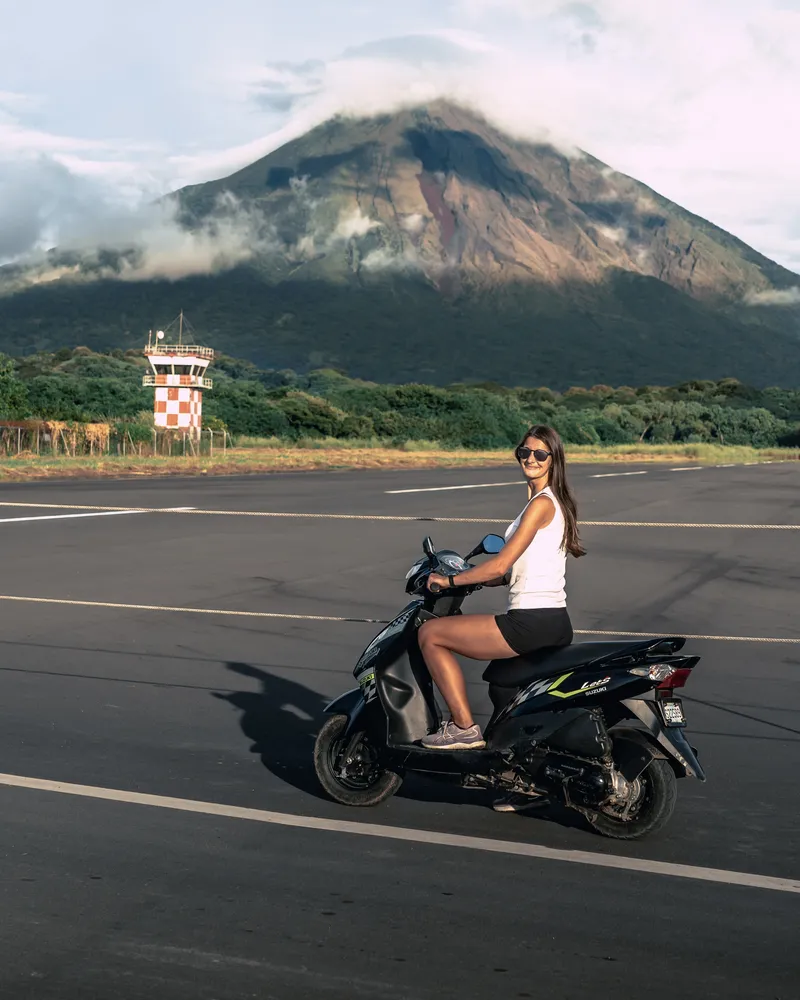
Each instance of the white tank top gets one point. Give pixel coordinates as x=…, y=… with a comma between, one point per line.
x=538, y=576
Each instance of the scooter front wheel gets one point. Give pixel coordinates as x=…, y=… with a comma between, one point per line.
x=349, y=773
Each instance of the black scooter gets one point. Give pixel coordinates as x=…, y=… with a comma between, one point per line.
x=594, y=725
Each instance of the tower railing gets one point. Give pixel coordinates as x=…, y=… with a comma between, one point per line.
x=184, y=350
x=196, y=381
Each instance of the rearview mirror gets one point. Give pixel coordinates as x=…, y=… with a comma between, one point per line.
x=489, y=546
x=428, y=547
x=492, y=544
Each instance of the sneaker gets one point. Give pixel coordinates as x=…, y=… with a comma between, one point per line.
x=449, y=736
x=516, y=803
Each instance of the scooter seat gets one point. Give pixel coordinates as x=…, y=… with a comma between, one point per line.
x=519, y=671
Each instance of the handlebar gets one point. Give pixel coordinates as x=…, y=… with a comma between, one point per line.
x=434, y=588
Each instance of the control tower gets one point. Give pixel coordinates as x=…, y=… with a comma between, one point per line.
x=179, y=372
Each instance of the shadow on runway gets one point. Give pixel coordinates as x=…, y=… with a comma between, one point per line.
x=744, y=715
x=283, y=719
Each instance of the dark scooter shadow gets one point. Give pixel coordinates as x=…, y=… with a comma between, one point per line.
x=420, y=788
x=282, y=721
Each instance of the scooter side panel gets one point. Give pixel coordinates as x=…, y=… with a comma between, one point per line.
x=536, y=727
x=582, y=687
x=392, y=670
x=406, y=692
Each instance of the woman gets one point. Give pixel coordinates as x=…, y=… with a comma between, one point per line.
x=532, y=563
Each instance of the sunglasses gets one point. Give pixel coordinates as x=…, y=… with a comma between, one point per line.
x=538, y=453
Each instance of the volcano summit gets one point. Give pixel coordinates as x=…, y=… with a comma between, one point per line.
x=428, y=246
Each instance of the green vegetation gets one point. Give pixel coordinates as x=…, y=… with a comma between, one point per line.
x=627, y=330
x=82, y=386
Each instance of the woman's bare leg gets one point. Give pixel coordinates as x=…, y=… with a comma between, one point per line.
x=475, y=636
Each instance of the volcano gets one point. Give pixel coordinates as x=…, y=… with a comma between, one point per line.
x=429, y=246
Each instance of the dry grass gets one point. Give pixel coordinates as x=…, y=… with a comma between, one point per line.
x=274, y=456
x=703, y=454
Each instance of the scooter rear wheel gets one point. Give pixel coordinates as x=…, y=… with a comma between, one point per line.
x=358, y=781
x=651, y=811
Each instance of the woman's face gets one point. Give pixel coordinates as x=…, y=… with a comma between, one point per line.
x=531, y=466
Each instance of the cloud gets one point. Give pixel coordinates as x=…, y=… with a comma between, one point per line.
x=353, y=224
x=386, y=259
x=281, y=85
x=39, y=199
x=432, y=48
x=230, y=235
x=775, y=297
x=54, y=188
x=617, y=234
x=153, y=243
x=413, y=224
x=12, y=102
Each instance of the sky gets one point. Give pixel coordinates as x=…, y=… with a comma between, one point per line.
x=104, y=106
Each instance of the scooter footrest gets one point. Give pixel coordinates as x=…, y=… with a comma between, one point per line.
x=418, y=758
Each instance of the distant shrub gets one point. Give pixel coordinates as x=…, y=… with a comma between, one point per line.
x=85, y=386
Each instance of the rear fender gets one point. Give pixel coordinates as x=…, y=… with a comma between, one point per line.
x=633, y=750
x=670, y=742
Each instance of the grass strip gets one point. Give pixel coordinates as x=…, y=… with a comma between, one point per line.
x=274, y=456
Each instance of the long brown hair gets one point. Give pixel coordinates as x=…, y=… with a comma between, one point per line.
x=558, y=483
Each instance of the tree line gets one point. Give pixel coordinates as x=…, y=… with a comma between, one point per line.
x=83, y=386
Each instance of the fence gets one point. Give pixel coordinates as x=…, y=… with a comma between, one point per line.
x=55, y=438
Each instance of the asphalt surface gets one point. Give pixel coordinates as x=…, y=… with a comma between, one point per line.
x=120, y=899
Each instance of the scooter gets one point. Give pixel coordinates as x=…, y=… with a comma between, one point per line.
x=594, y=726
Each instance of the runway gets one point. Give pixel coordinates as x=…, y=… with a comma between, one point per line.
x=163, y=680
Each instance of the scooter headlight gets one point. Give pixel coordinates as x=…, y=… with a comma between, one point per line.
x=415, y=568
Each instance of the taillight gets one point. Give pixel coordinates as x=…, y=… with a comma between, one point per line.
x=655, y=672
x=677, y=679
x=666, y=675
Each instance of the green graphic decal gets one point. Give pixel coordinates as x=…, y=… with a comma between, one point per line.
x=585, y=688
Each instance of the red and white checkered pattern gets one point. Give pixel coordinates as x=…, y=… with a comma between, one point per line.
x=178, y=408
x=176, y=380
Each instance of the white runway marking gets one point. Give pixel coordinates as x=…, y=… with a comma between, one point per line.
x=428, y=837
x=683, y=524
x=405, y=517
x=189, y=611
x=596, y=475
x=443, y=489
x=335, y=618
x=62, y=517
x=614, y=475
x=97, y=513
x=710, y=638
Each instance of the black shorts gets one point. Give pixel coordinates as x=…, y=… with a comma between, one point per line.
x=528, y=629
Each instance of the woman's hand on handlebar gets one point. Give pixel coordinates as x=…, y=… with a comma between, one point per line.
x=437, y=582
